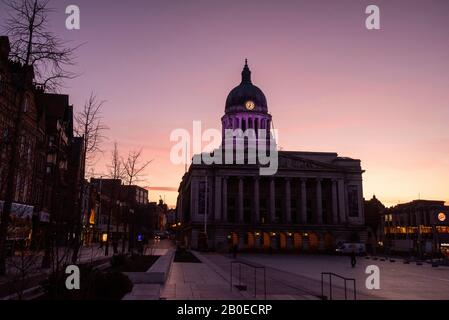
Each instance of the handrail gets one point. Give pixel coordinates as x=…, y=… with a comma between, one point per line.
x=331, y=274
x=255, y=267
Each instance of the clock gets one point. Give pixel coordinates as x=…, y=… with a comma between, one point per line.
x=441, y=217
x=250, y=105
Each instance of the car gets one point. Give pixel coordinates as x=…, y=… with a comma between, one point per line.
x=349, y=247
x=161, y=234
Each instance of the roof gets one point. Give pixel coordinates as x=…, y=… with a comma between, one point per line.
x=244, y=92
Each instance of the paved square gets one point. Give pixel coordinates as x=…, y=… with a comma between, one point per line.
x=397, y=280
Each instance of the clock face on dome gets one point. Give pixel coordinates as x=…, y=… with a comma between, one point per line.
x=250, y=105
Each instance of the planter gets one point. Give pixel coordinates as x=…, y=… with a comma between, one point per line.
x=157, y=273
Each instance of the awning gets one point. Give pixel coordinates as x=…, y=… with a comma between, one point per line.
x=18, y=210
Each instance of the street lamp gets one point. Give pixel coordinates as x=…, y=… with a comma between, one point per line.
x=131, y=234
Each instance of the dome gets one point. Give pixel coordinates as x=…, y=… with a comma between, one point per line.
x=245, y=92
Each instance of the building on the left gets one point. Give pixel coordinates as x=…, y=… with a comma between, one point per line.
x=48, y=171
x=52, y=199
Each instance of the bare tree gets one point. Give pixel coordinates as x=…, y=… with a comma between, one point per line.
x=116, y=171
x=42, y=54
x=115, y=167
x=134, y=169
x=89, y=125
x=32, y=44
x=134, y=173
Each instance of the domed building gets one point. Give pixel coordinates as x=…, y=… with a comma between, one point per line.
x=313, y=202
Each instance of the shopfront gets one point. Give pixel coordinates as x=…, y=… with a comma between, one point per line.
x=20, y=227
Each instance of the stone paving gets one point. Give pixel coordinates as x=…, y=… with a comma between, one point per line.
x=210, y=280
x=280, y=285
x=197, y=281
x=397, y=280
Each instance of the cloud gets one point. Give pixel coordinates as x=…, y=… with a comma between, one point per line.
x=162, y=188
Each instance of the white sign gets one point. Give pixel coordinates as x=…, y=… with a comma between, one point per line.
x=44, y=216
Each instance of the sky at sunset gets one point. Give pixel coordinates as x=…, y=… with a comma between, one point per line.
x=332, y=85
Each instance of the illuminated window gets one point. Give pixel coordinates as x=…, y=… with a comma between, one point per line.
x=92, y=217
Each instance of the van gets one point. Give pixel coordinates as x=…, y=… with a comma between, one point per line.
x=346, y=248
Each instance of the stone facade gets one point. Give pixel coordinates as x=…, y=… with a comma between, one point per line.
x=314, y=201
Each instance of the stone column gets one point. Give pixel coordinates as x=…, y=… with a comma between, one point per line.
x=225, y=200
x=194, y=199
x=319, y=202
x=334, y=202
x=272, y=201
x=218, y=202
x=361, y=206
x=256, y=217
x=288, y=202
x=303, y=201
x=341, y=200
x=240, y=201
x=417, y=218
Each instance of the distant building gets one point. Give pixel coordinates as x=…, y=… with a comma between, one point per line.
x=313, y=202
x=171, y=217
x=122, y=210
x=107, y=207
x=419, y=227
x=374, y=210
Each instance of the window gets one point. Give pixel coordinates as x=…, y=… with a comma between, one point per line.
x=25, y=190
x=29, y=154
x=18, y=188
x=26, y=104
x=51, y=158
x=202, y=197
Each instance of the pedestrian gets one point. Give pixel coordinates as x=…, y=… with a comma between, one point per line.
x=353, y=259
x=234, y=250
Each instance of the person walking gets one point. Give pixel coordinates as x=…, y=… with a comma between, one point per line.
x=115, y=245
x=353, y=259
x=234, y=250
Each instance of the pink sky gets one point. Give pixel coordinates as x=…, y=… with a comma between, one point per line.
x=379, y=96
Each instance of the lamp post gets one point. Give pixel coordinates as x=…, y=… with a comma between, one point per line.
x=124, y=225
x=131, y=234
x=99, y=209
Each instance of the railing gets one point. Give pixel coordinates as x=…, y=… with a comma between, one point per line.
x=255, y=267
x=330, y=274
